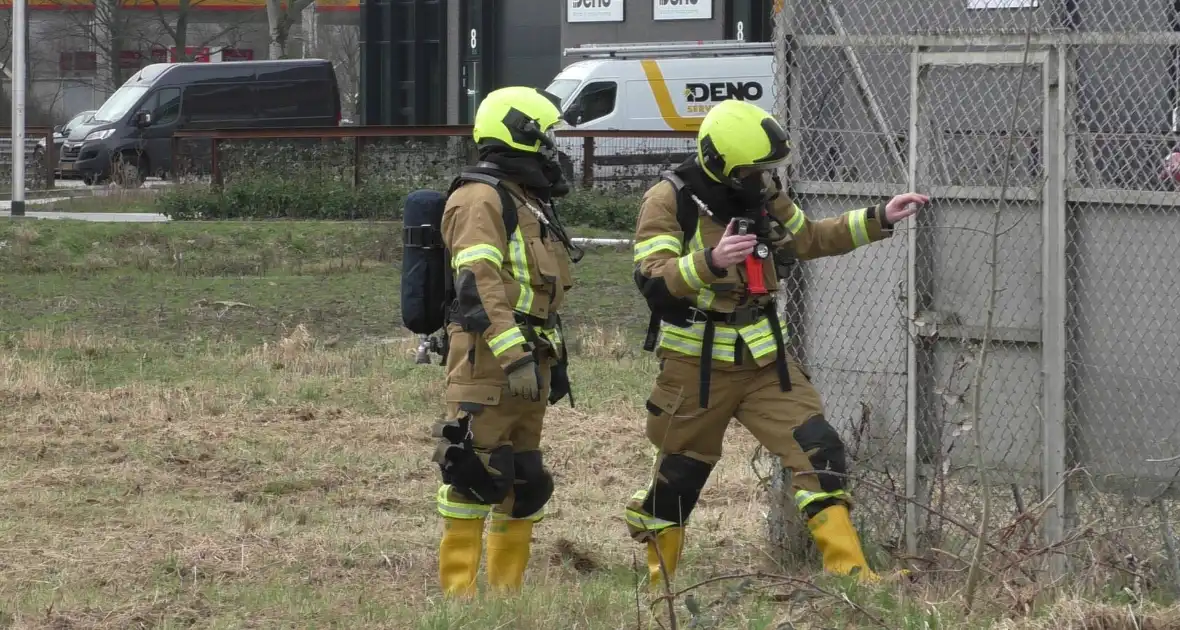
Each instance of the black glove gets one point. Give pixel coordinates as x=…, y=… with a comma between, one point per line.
x=559, y=382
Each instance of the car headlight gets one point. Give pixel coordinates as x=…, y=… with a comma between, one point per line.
x=98, y=135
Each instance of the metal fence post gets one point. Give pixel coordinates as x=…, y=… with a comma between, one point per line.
x=358, y=144
x=911, y=415
x=588, y=162
x=1054, y=314
x=215, y=162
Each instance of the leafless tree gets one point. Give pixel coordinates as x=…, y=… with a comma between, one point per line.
x=341, y=44
x=39, y=103
x=108, y=30
x=280, y=19
x=172, y=23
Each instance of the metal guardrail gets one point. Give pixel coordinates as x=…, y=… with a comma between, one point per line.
x=31, y=133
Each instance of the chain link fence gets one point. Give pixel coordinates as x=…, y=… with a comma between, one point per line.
x=1056, y=121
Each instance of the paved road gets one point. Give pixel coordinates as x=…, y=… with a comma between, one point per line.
x=101, y=217
x=98, y=190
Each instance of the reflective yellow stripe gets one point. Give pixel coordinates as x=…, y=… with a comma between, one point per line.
x=505, y=340
x=661, y=243
x=758, y=337
x=688, y=271
x=705, y=299
x=518, y=256
x=524, y=303
x=721, y=334
x=725, y=336
x=762, y=348
x=535, y=517
x=698, y=242
x=859, y=227
x=797, y=220
x=721, y=352
x=682, y=346
x=641, y=521
x=554, y=337
x=646, y=523
x=478, y=252
x=803, y=498
x=465, y=511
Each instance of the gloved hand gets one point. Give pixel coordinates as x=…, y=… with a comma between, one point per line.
x=524, y=378
x=559, y=383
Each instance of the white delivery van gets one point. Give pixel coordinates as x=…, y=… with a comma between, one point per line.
x=655, y=87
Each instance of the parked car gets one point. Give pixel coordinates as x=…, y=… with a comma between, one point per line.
x=129, y=138
x=60, y=133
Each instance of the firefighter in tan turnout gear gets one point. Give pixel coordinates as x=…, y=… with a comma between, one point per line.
x=712, y=240
x=506, y=358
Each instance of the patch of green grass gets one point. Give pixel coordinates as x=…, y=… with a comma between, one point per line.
x=242, y=281
x=209, y=425
x=112, y=200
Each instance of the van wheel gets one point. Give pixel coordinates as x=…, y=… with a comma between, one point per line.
x=129, y=170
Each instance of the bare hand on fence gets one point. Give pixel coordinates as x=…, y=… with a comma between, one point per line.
x=733, y=248
x=903, y=206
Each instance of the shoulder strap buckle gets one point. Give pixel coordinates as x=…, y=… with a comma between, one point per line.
x=674, y=179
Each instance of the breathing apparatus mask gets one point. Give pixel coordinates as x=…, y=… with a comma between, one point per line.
x=757, y=185
x=548, y=156
x=551, y=162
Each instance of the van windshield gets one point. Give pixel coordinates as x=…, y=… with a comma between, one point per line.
x=119, y=103
x=562, y=88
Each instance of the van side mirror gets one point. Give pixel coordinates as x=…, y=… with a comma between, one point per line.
x=57, y=128
x=142, y=119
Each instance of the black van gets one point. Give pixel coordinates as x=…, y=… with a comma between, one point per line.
x=132, y=132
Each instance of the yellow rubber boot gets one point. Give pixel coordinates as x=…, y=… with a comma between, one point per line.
x=671, y=544
x=837, y=540
x=459, y=554
x=509, y=543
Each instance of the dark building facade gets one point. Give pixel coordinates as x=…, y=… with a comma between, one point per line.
x=505, y=42
x=616, y=22
x=429, y=62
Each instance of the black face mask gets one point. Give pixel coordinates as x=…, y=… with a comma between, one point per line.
x=551, y=168
x=757, y=188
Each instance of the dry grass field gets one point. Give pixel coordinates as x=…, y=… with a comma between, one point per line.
x=222, y=426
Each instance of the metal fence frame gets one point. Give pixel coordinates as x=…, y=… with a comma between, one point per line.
x=360, y=135
x=1054, y=53
x=49, y=166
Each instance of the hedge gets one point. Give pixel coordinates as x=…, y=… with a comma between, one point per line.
x=324, y=198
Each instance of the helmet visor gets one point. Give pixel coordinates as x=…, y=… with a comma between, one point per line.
x=780, y=147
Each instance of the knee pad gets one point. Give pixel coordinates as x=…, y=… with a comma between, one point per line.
x=824, y=449
x=463, y=468
x=678, y=485
x=534, y=484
